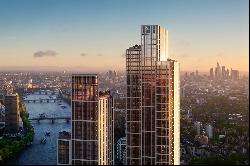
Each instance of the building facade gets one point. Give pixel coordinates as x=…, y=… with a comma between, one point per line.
x=153, y=120
x=198, y=127
x=2, y=114
x=235, y=75
x=84, y=119
x=106, y=129
x=121, y=150
x=64, y=148
x=211, y=73
x=92, y=122
x=133, y=105
x=12, y=114
x=1, y=98
x=209, y=131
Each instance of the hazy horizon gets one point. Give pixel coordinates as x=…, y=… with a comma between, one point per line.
x=83, y=69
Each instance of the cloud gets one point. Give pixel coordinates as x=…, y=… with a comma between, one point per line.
x=99, y=55
x=83, y=54
x=40, y=54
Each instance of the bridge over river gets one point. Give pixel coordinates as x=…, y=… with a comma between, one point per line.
x=38, y=119
x=55, y=117
x=42, y=100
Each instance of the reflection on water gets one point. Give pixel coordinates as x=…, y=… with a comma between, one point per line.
x=44, y=153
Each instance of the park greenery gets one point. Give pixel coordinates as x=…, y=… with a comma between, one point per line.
x=216, y=110
x=233, y=159
x=11, y=147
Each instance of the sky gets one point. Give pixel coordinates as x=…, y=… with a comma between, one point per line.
x=94, y=34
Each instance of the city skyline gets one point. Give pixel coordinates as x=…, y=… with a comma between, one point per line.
x=92, y=82
x=71, y=35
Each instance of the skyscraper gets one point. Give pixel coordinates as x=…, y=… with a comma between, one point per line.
x=218, y=71
x=235, y=75
x=106, y=129
x=2, y=114
x=223, y=73
x=12, y=114
x=92, y=123
x=196, y=73
x=133, y=105
x=153, y=124
x=211, y=73
x=84, y=119
x=209, y=131
x=64, y=148
x=227, y=74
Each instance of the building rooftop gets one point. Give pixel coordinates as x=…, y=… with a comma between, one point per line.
x=104, y=93
x=11, y=95
x=135, y=47
x=64, y=135
x=84, y=74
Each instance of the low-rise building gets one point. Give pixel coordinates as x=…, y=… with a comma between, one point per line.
x=2, y=113
x=64, y=148
x=121, y=150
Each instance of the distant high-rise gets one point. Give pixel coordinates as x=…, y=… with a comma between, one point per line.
x=192, y=74
x=182, y=91
x=84, y=119
x=209, y=131
x=235, y=75
x=1, y=97
x=218, y=71
x=106, y=129
x=2, y=115
x=223, y=73
x=211, y=73
x=12, y=114
x=186, y=74
x=197, y=126
x=153, y=124
x=227, y=74
x=196, y=73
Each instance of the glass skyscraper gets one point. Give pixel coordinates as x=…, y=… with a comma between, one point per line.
x=92, y=122
x=84, y=119
x=153, y=120
x=106, y=129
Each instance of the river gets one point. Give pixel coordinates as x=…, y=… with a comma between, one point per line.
x=44, y=154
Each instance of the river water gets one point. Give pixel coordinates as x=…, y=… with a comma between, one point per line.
x=44, y=154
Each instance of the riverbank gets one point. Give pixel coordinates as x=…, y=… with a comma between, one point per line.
x=66, y=99
x=11, y=147
x=39, y=153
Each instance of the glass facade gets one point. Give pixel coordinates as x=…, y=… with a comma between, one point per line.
x=106, y=129
x=63, y=156
x=84, y=119
x=12, y=113
x=152, y=100
x=64, y=148
x=133, y=116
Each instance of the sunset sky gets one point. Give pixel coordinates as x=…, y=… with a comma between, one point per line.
x=94, y=34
